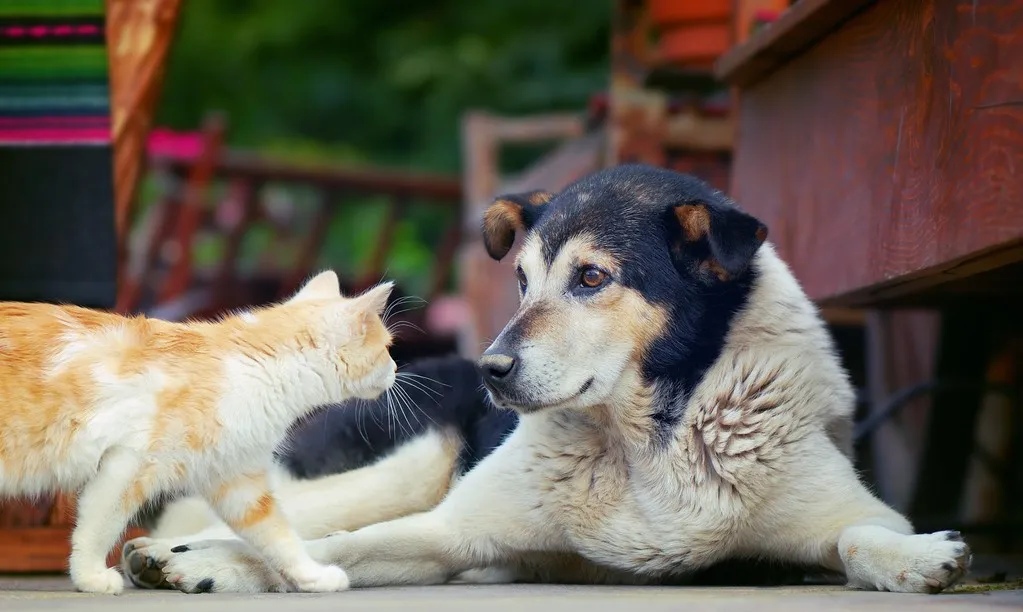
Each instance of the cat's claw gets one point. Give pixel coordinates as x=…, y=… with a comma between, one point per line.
x=107, y=581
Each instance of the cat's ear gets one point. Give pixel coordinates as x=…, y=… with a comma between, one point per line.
x=375, y=300
x=323, y=286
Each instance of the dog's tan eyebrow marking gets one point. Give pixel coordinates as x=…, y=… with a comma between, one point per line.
x=582, y=251
x=604, y=262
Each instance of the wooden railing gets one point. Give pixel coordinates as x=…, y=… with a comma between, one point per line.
x=161, y=274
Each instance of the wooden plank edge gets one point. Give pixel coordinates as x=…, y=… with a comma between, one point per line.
x=797, y=28
x=892, y=291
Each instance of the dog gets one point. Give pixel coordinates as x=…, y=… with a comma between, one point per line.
x=679, y=402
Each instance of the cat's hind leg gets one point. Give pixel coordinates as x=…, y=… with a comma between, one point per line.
x=249, y=507
x=105, y=506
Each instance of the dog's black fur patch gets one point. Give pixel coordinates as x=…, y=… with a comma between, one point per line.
x=354, y=434
x=629, y=212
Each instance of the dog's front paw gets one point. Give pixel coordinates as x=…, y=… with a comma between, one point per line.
x=923, y=563
x=142, y=561
x=317, y=578
x=221, y=566
x=933, y=562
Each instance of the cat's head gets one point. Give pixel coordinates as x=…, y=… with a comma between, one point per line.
x=348, y=333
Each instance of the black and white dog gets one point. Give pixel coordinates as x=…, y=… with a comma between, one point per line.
x=679, y=403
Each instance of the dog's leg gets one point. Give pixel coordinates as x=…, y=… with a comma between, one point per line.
x=487, y=520
x=823, y=515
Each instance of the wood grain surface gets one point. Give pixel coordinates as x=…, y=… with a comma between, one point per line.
x=889, y=156
x=799, y=26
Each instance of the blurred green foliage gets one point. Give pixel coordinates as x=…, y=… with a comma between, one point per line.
x=381, y=82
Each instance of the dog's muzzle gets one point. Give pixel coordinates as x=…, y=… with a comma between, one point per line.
x=498, y=368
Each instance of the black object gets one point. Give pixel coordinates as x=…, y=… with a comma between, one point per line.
x=58, y=240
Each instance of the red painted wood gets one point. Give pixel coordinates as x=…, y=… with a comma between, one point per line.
x=890, y=151
x=695, y=43
x=44, y=549
x=675, y=11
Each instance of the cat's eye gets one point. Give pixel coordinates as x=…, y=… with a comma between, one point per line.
x=592, y=277
x=522, y=278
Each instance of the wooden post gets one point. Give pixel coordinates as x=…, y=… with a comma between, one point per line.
x=139, y=37
x=488, y=286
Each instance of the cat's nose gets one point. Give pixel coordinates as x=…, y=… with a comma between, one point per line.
x=497, y=366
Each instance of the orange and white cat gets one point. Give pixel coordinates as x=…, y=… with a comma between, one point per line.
x=126, y=409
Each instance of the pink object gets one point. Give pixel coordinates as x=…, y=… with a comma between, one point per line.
x=447, y=314
x=41, y=135
x=42, y=30
x=169, y=143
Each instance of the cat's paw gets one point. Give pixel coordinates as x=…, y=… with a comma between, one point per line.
x=315, y=578
x=108, y=581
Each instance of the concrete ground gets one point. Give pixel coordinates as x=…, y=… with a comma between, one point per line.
x=57, y=593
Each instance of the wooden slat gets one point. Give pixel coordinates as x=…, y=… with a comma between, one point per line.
x=44, y=549
x=312, y=245
x=439, y=188
x=884, y=158
x=374, y=270
x=804, y=23
x=193, y=208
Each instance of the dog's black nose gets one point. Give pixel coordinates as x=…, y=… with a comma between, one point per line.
x=496, y=366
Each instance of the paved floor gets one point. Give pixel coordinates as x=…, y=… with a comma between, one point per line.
x=54, y=593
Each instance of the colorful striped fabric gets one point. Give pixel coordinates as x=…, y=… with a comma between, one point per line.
x=54, y=73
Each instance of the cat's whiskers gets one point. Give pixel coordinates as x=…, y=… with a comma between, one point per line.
x=360, y=413
x=393, y=308
x=402, y=405
x=405, y=379
x=390, y=411
x=397, y=326
x=420, y=379
x=404, y=402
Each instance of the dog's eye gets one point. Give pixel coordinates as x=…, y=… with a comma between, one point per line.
x=592, y=277
x=522, y=278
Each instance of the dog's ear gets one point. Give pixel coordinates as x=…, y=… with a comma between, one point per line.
x=509, y=214
x=722, y=239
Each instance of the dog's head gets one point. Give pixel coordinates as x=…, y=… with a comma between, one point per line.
x=633, y=267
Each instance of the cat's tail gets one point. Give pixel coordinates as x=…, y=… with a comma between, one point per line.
x=415, y=477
